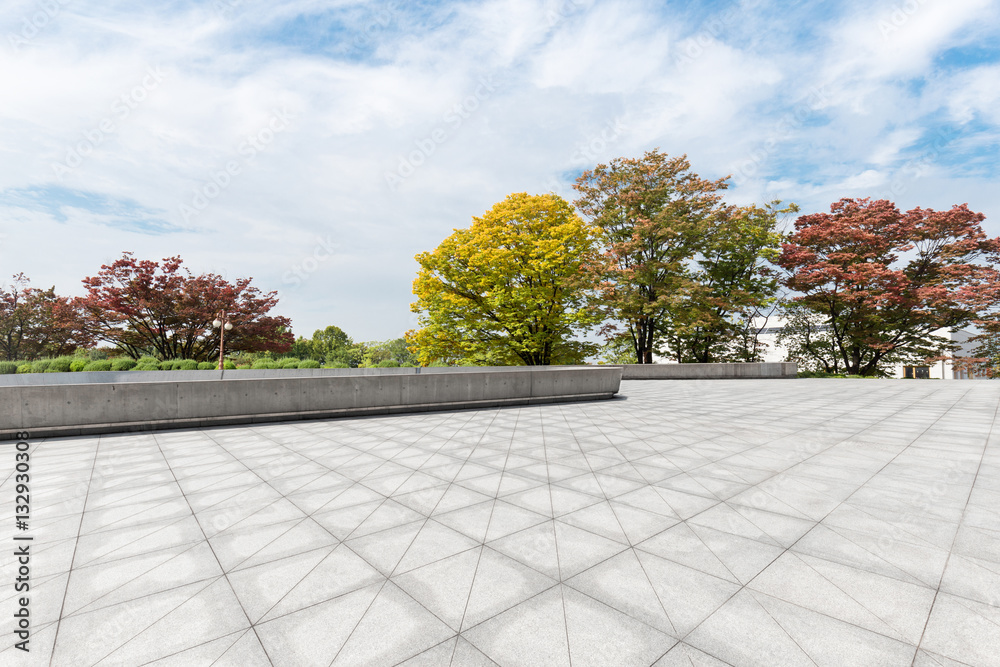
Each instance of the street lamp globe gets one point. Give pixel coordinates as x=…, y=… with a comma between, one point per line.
x=217, y=323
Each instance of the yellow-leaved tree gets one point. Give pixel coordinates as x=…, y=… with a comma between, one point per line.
x=509, y=290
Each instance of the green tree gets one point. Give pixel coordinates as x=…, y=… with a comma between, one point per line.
x=985, y=359
x=655, y=215
x=332, y=345
x=302, y=348
x=735, y=283
x=507, y=290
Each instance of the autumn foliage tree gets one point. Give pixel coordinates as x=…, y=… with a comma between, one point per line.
x=883, y=281
x=508, y=289
x=654, y=216
x=37, y=323
x=161, y=308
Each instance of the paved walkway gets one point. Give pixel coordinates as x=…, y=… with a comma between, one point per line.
x=747, y=522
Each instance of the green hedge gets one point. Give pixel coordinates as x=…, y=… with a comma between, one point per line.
x=186, y=365
x=60, y=365
x=289, y=362
x=264, y=364
x=123, y=364
x=78, y=365
x=208, y=365
x=336, y=364
x=8, y=367
x=147, y=364
x=228, y=365
x=40, y=365
x=24, y=368
x=308, y=363
x=102, y=365
x=387, y=363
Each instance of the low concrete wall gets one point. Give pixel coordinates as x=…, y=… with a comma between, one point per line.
x=708, y=371
x=56, y=409
x=118, y=377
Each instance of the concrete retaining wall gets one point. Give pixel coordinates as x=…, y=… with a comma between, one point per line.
x=117, y=377
x=707, y=371
x=56, y=409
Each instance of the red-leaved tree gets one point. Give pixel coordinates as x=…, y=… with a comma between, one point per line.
x=149, y=307
x=36, y=322
x=883, y=281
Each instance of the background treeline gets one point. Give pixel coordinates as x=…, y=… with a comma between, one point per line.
x=649, y=257
x=652, y=255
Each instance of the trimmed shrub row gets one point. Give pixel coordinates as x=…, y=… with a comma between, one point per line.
x=78, y=364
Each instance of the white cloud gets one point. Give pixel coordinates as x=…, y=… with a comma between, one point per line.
x=571, y=83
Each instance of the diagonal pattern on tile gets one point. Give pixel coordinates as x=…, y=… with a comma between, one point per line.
x=708, y=522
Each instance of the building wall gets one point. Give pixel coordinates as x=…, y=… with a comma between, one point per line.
x=939, y=370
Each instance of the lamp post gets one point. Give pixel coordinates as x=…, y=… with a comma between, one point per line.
x=223, y=324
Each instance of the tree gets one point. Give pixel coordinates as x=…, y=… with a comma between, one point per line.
x=735, y=283
x=884, y=281
x=807, y=339
x=985, y=359
x=654, y=214
x=36, y=322
x=507, y=290
x=394, y=351
x=144, y=306
x=332, y=345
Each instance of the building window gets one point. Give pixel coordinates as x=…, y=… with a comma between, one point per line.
x=917, y=372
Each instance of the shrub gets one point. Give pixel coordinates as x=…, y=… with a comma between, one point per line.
x=186, y=365
x=168, y=364
x=40, y=365
x=98, y=365
x=228, y=365
x=308, y=363
x=207, y=365
x=336, y=364
x=60, y=365
x=147, y=364
x=24, y=368
x=289, y=362
x=8, y=367
x=387, y=363
x=123, y=364
x=78, y=364
x=264, y=364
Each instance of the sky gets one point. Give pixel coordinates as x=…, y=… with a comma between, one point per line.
x=318, y=145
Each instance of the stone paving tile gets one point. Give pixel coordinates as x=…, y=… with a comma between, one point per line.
x=812, y=522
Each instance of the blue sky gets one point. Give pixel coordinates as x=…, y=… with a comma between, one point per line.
x=319, y=145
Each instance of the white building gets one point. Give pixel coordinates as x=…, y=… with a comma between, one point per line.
x=941, y=370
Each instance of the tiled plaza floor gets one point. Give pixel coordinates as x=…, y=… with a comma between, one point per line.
x=781, y=522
